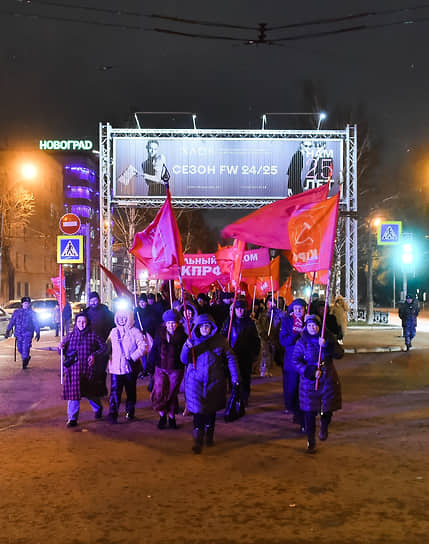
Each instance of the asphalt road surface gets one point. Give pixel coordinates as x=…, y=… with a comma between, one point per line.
x=131, y=483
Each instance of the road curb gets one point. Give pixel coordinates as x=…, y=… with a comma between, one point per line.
x=386, y=349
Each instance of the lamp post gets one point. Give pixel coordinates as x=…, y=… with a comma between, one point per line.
x=321, y=116
x=372, y=224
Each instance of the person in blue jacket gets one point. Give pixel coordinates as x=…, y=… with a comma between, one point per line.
x=291, y=328
x=205, y=383
x=319, y=389
x=25, y=323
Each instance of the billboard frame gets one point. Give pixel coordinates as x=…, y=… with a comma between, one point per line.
x=347, y=227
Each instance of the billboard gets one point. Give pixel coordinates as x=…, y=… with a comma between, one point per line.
x=225, y=167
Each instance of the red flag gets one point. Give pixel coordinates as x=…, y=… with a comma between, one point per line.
x=230, y=260
x=159, y=246
x=321, y=278
x=119, y=287
x=285, y=291
x=312, y=231
x=268, y=226
x=263, y=282
x=59, y=289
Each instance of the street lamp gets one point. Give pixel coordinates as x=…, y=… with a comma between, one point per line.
x=322, y=117
x=372, y=224
x=28, y=171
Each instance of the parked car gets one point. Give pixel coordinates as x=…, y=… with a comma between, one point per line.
x=4, y=321
x=11, y=306
x=44, y=308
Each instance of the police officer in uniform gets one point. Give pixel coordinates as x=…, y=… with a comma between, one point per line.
x=25, y=323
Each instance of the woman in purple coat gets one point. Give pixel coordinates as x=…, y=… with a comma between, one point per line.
x=327, y=397
x=82, y=378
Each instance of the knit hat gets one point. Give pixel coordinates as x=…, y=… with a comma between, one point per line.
x=226, y=296
x=409, y=296
x=151, y=296
x=313, y=318
x=297, y=302
x=241, y=304
x=94, y=294
x=25, y=299
x=143, y=296
x=170, y=315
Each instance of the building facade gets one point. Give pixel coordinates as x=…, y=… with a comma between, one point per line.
x=31, y=203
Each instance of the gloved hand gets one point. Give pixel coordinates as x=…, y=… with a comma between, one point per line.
x=7, y=334
x=37, y=336
x=310, y=372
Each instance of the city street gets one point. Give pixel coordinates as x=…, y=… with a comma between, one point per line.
x=131, y=483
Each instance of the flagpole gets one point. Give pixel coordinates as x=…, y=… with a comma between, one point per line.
x=135, y=296
x=272, y=306
x=61, y=323
x=311, y=292
x=327, y=292
x=322, y=334
x=253, y=301
x=171, y=294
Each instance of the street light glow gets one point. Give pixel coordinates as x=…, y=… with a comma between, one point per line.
x=28, y=171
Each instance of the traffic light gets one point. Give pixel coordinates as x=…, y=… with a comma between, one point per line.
x=407, y=254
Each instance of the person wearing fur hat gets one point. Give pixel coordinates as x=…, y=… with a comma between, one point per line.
x=205, y=383
x=25, y=323
x=327, y=397
x=340, y=309
x=165, y=357
x=292, y=325
x=126, y=345
x=245, y=342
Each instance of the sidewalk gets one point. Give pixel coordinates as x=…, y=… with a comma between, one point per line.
x=384, y=338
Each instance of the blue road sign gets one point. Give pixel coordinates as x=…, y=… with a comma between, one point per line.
x=70, y=249
x=389, y=233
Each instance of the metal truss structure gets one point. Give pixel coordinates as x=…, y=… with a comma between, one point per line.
x=347, y=229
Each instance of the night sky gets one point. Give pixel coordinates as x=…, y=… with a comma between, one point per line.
x=60, y=78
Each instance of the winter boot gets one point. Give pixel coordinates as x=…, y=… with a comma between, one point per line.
x=311, y=445
x=209, y=435
x=25, y=362
x=325, y=420
x=162, y=423
x=198, y=436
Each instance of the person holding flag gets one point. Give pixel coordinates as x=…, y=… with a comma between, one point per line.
x=291, y=328
x=245, y=343
x=319, y=385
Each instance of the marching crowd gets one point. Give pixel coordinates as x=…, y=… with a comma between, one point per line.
x=200, y=347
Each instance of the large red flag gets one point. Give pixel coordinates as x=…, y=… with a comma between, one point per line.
x=312, y=231
x=120, y=288
x=159, y=246
x=268, y=226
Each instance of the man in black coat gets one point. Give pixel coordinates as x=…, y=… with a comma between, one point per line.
x=101, y=319
x=245, y=343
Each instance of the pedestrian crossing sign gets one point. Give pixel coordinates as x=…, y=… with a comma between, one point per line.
x=389, y=233
x=70, y=249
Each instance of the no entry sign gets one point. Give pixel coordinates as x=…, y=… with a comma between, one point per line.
x=69, y=224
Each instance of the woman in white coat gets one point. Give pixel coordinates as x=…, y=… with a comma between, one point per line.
x=127, y=345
